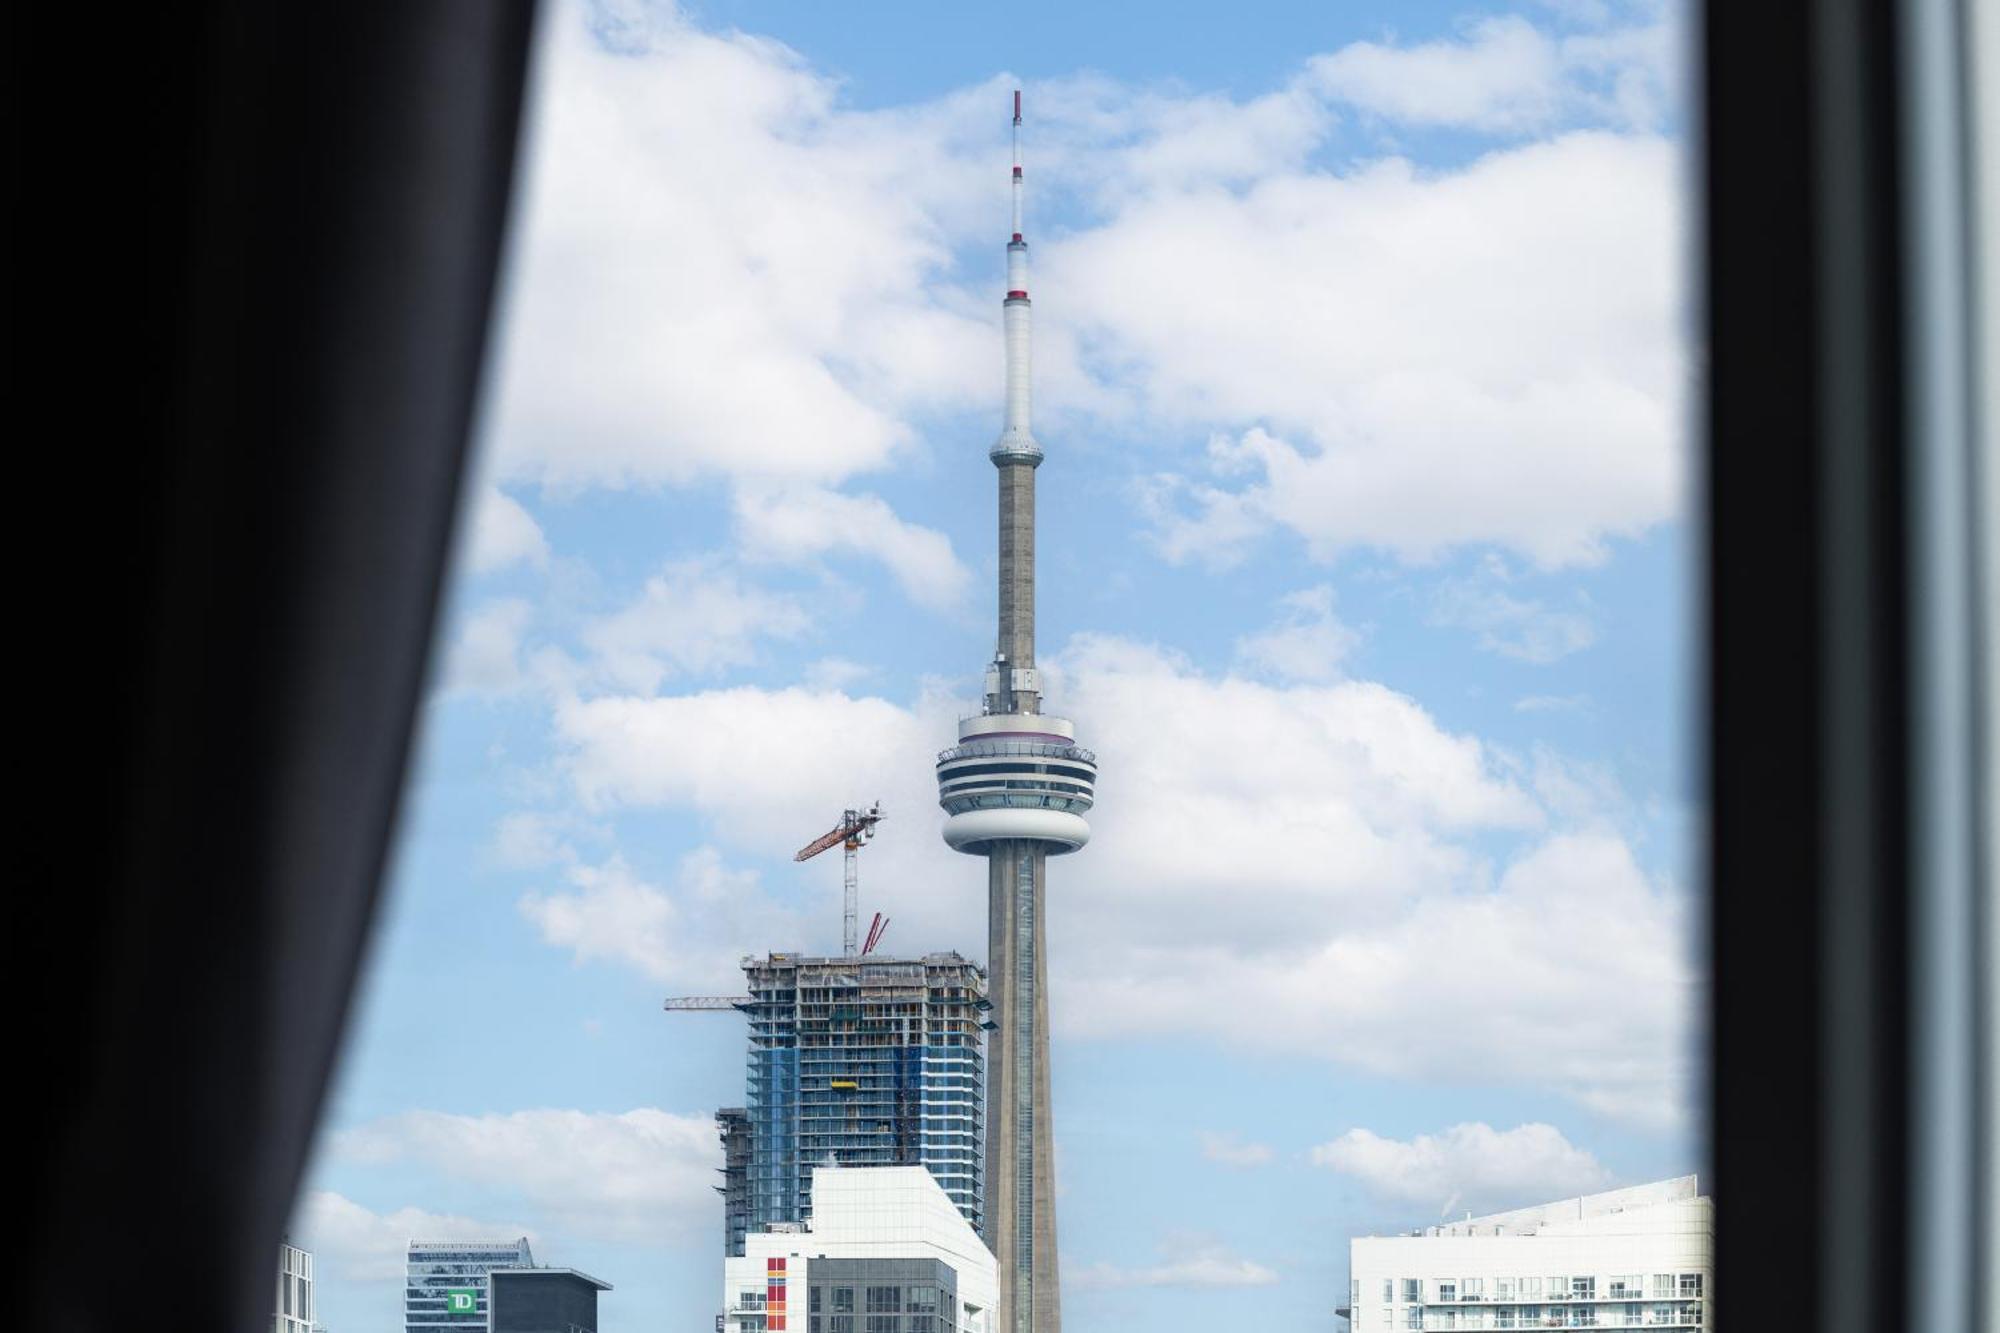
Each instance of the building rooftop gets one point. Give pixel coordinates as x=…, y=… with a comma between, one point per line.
x=541, y=1270
x=937, y=958
x=1537, y=1218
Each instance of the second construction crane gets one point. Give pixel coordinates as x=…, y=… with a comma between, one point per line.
x=856, y=827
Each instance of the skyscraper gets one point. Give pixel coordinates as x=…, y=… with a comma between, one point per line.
x=1015, y=788
x=862, y=1061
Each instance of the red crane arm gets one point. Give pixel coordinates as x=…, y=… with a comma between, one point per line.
x=821, y=843
x=839, y=835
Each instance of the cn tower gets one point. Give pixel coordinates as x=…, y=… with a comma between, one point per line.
x=1015, y=788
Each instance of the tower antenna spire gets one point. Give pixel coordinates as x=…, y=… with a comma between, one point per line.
x=1017, y=164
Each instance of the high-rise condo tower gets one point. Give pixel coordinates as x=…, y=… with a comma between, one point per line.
x=1015, y=788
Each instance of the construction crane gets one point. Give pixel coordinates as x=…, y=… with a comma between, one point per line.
x=706, y=1002
x=855, y=828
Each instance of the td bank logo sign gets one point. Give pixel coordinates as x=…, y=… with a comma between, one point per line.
x=461, y=1302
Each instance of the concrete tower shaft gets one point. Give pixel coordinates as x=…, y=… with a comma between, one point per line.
x=1017, y=590
x=1016, y=788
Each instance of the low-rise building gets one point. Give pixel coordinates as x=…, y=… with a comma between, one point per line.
x=542, y=1300
x=1642, y=1257
x=886, y=1251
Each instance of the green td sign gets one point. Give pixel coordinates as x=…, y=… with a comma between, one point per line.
x=461, y=1302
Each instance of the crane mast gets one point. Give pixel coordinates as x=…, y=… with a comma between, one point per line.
x=855, y=828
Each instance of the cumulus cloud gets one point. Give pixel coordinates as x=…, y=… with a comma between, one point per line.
x=755, y=760
x=1187, y=1260
x=1497, y=357
x=485, y=658
x=705, y=287
x=805, y=524
x=1471, y=1166
x=1572, y=973
x=353, y=1243
x=1505, y=75
x=632, y=1176
x=1308, y=642
x=1345, y=830
x=690, y=934
x=504, y=533
x=1230, y=1150
x=696, y=616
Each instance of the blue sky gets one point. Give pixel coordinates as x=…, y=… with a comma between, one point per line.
x=1364, y=377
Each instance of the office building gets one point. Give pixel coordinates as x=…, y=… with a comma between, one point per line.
x=1642, y=1257
x=446, y=1290
x=294, y=1304
x=1016, y=787
x=542, y=1300
x=886, y=1251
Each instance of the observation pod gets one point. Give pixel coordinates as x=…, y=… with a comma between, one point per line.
x=1016, y=776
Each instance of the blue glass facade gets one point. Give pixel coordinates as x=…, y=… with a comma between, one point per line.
x=862, y=1062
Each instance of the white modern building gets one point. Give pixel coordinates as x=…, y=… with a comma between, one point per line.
x=885, y=1249
x=1642, y=1257
x=293, y=1309
x=447, y=1286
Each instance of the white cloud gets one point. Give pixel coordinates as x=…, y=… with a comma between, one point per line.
x=352, y=1243
x=1308, y=643
x=1230, y=1150
x=836, y=673
x=1317, y=852
x=1406, y=360
x=1571, y=974
x=1305, y=808
x=689, y=936
x=485, y=657
x=533, y=839
x=806, y=524
x=723, y=271
x=504, y=533
x=1471, y=1166
x=1186, y=1261
x=1523, y=628
x=636, y=1176
x=1505, y=75
x=696, y=616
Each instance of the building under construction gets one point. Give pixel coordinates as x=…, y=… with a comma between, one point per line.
x=733, y=1123
x=853, y=1061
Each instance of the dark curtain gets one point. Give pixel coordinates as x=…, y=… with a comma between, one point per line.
x=1843, y=703
x=256, y=253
